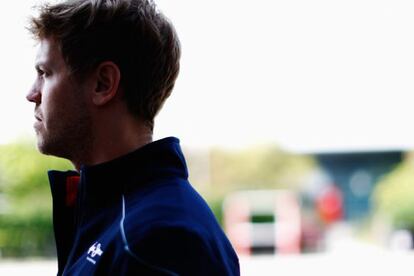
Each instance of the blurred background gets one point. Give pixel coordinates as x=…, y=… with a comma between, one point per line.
x=295, y=117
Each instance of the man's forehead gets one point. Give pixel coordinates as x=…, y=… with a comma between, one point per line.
x=48, y=52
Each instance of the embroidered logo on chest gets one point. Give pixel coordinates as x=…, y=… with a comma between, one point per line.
x=94, y=251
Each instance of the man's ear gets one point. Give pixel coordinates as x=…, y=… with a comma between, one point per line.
x=108, y=78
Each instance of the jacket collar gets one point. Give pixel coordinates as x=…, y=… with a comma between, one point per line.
x=101, y=184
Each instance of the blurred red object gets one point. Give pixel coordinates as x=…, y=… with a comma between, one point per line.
x=330, y=204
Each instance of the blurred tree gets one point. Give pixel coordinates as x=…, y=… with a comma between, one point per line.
x=394, y=195
x=265, y=167
x=25, y=207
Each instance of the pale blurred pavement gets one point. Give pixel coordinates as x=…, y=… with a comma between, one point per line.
x=347, y=258
x=28, y=267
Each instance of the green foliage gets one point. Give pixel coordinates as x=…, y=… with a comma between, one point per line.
x=25, y=214
x=265, y=167
x=216, y=205
x=26, y=236
x=394, y=195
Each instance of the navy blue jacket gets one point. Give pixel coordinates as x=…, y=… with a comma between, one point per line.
x=137, y=215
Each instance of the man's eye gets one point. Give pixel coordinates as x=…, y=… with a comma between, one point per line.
x=41, y=73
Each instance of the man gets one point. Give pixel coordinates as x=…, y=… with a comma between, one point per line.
x=105, y=67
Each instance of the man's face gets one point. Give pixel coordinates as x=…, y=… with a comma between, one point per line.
x=62, y=122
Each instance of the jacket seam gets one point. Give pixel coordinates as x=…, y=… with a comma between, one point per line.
x=130, y=252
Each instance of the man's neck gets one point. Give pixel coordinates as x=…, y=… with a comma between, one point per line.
x=113, y=140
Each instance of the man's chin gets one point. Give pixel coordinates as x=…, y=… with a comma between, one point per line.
x=42, y=148
x=46, y=148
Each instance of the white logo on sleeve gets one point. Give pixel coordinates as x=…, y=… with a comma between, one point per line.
x=94, y=250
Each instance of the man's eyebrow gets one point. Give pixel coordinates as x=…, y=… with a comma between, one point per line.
x=40, y=64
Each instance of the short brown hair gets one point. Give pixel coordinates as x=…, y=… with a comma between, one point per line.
x=131, y=33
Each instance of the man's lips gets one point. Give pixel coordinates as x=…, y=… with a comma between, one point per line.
x=38, y=118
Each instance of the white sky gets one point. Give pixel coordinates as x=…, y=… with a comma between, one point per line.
x=307, y=75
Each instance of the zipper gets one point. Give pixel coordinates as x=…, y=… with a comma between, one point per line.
x=78, y=219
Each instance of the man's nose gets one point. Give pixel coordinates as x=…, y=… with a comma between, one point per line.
x=34, y=95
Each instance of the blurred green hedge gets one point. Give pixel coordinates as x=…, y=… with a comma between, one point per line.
x=394, y=195
x=26, y=236
x=25, y=201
